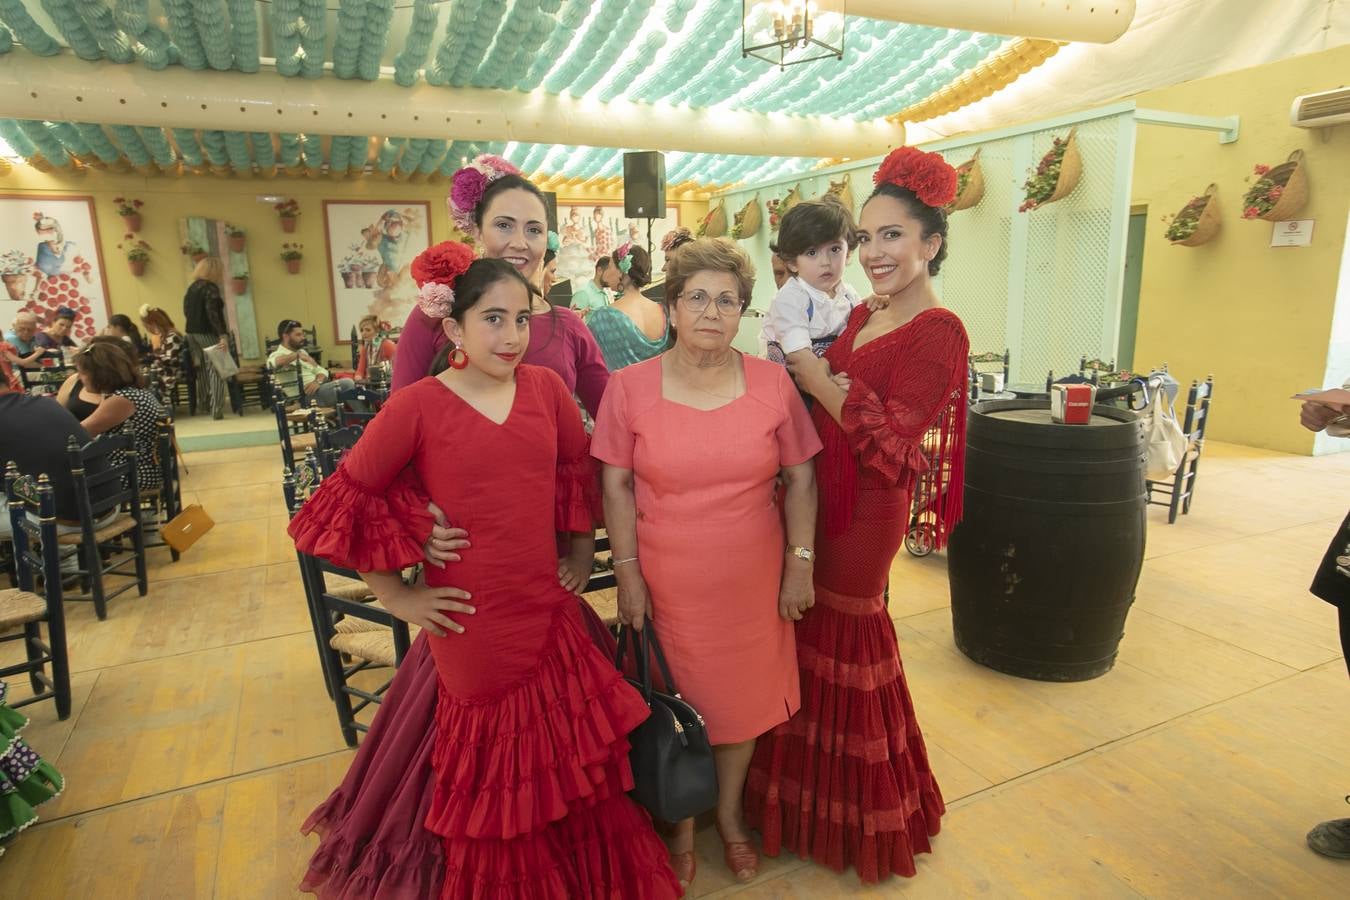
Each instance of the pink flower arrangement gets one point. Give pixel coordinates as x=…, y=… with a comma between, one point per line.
x=468, y=185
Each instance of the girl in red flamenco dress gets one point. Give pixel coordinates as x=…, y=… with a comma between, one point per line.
x=530, y=757
x=846, y=781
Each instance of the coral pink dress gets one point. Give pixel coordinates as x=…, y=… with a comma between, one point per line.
x=530, y=750
x=846, y=782
x=710, y=535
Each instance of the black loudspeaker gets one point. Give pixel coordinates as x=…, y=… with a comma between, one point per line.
x=644, y=185
x=551, y=210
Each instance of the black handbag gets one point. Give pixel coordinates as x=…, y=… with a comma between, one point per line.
x=674, y=775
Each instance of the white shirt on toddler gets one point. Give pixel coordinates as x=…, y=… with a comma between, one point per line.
x=800, y=314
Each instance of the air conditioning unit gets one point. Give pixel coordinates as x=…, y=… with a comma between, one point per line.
x=1321, y=110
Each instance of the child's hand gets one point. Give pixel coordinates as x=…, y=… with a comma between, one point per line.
x=878, y=301
x=574, y=573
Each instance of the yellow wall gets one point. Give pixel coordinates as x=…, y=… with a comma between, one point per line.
x=276, y=294
x=1257, y=317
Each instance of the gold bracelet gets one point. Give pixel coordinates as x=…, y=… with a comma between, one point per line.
x=622, y=562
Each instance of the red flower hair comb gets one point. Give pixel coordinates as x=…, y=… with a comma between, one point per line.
x=928, y=175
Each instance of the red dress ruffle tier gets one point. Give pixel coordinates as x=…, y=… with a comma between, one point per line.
x=846, y=782
x=497, y=765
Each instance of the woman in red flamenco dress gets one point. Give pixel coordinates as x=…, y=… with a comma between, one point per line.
x=530, y=755
x=846, y=781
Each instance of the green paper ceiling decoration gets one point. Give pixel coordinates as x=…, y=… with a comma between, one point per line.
x=644, y=51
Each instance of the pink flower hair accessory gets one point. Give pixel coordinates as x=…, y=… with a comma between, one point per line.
x=435, y=299
x=468, y=185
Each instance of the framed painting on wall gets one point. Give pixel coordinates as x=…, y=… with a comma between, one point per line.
x=50, y=257
x=371, y=245
x=591, y=230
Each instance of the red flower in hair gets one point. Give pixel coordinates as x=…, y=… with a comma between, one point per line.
x=928, y=175
x=441, y=264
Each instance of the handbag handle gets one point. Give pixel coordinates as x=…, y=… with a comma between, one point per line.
x=648, y=645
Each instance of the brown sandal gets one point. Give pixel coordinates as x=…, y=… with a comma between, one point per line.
x=685, y=865
x=741, y=858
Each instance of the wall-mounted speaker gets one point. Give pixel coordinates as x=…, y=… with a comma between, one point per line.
x=644, y=185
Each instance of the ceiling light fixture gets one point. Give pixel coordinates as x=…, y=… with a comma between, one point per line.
x=793, y=32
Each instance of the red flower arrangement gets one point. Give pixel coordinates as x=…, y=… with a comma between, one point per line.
x=435, y=270
x=442, y=263
x=928, y=175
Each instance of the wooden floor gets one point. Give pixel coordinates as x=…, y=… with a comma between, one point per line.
x=201, y=733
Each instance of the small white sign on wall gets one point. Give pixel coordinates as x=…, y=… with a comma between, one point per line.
x=1292, y=233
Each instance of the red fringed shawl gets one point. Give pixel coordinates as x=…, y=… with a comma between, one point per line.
x=905, y=413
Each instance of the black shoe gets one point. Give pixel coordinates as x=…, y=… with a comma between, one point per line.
x=1331, y=838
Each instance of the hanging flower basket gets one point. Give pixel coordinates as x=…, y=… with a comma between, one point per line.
x=1056, y=175
x=748, y=220
x=130, y=211
x=714, y=224
x=291, y=254
x=1278, y=193
x=137, y=267
x=137, y=251
x=843, y=190
x=287, y=210
x=235, y=238
x=239, y=283
x=1197, y=222
x=969, y=184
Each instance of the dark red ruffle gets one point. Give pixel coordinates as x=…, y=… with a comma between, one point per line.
x=509, y=764
x=877, y=432
x=846, y=782
x=606, y=850
x=373, y=843
x=351, y=524
x=578, y=505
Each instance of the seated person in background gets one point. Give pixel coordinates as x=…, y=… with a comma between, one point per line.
x=121, y=326
x=34, y=439
x=167, y=345
x=372, y=353
x=57, y=333
x=290, y=357
x=109, y=369
x=22, y=338
x=594, y=294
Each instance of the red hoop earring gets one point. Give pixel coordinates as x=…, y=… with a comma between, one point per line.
x=463, y=360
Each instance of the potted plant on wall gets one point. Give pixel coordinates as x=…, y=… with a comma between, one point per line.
x=138, y=253
x=14, y=269
x=1056, y=175
x=130, y=211
x=235, y=238
x=287, y=210
x=239, y=282
x=291, y=254
x=1197, y=222
x=193, y=250
x=1279, y=192
x=969, y=184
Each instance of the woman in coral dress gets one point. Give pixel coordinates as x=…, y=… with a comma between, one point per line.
x=846, y=782
x=530, y=753
x=694, y=442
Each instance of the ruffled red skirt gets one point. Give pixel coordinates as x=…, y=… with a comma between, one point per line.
x=522, y=796
x=846, y=781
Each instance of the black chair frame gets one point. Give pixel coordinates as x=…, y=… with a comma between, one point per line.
x=123, y=494
x=1180, y=489
x=36, y=551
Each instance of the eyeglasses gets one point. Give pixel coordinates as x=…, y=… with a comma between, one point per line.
x=727, y=304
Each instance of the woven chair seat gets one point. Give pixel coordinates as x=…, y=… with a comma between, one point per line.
x=368, y=645
x=120, y=525
x=358, y=591
x=298, y=415
x=606, y=606
x=305, y=441
x=19, y=608
x=147, y=493
x=243, y=377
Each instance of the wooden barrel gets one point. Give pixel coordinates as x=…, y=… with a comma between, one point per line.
x=1044, y=564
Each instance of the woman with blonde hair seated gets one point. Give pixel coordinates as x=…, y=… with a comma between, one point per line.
x=166, y=350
